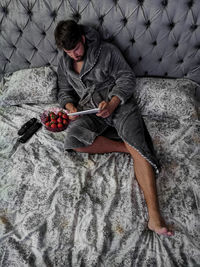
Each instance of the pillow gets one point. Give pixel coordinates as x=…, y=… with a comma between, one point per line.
x=166, y=97
x=1, y=86
x=30, y=86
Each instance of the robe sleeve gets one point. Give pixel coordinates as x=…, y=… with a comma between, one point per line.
x=66, y=93
x=123, y=75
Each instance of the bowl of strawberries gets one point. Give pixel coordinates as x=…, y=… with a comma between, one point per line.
x=55, y=119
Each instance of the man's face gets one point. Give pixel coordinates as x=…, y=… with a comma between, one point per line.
x=77, y=54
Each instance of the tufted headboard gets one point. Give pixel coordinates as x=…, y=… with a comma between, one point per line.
x=157, y=37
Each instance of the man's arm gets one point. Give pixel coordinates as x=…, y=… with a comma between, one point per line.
x=124, y=81
x=71, y=108
x=66, y=93
x=123, y=75
x=107, y=108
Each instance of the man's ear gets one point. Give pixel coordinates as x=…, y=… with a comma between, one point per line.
x=83, y=38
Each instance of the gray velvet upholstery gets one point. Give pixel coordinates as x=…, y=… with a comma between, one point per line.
x=157, y=37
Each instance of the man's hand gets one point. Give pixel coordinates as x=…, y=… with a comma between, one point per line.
x=71, y=108
x=107, y=108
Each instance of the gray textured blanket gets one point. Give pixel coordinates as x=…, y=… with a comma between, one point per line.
x=72, y=209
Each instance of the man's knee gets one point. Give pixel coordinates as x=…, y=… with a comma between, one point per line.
x=80, y=149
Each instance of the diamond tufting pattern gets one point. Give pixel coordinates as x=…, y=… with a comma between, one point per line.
x=157, y=37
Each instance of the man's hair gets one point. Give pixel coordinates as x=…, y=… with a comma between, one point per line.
x=67, y=34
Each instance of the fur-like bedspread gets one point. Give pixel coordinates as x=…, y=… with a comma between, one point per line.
x=72, y=209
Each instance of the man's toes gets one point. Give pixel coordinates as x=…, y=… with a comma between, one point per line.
x=164, y=231
x=170, y=233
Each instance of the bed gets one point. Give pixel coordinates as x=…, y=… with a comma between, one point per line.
x=61, y=208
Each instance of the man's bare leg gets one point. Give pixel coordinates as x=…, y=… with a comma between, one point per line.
x=144, y=174
x=103, y=145
x=146, y=179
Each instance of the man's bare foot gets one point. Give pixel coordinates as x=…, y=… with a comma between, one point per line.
x=159, y=226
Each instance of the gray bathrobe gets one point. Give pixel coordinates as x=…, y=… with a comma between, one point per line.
x=104, y=74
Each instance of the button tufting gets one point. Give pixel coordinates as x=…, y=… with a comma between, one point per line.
x=164, y=2
x=77, y=16
x=5, y=10
x=20, y=31
x=146, y=73
x=124, y=21
x=187, y=25
x=101, y=19
x=180, y=61
x=132, y=40
x=190, y=3
x=111, y=39
x=148, y=23
x=140, y=2
x=171, y=25
x=54, y=14
x=29, y=12
x=194, y=27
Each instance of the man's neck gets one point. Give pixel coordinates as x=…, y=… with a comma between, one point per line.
x=77, y=65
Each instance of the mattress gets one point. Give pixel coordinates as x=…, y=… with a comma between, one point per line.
x=61, y=208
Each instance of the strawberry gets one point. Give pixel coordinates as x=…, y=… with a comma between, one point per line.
x=53, y=120
x=59, y=120
x=60, y=113
x=65, y=122
x=64, y=116
x=53, y=125
x=60, y=125
x=47, y=119
x=52, y=115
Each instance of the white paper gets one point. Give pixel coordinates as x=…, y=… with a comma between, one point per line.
x=89, y=111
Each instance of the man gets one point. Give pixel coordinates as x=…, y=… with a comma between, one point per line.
x=93, y=73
